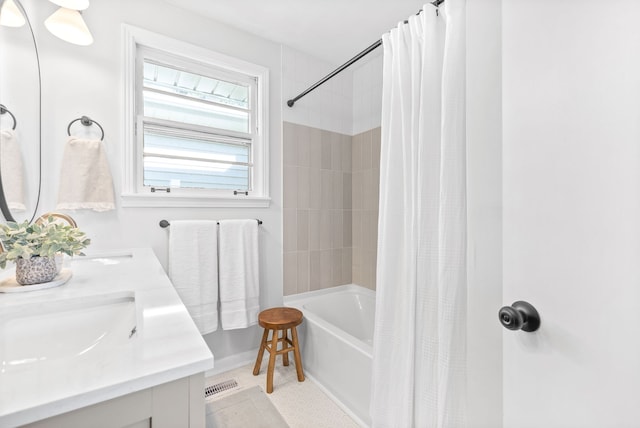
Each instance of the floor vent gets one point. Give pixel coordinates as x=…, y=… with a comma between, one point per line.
x=220, y=387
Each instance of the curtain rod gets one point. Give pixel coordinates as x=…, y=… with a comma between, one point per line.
x=356, y=58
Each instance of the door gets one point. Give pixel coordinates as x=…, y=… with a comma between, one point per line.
x=571, y=211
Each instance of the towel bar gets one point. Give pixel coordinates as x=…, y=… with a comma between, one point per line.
x=165, y=223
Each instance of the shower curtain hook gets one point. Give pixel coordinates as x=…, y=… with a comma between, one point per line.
x=437, y=4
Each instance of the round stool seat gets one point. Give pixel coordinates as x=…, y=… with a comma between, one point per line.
x=280, y=318
x=279, y=321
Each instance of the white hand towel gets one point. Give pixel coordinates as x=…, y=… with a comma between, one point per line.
x=85, y=178
x=193, y=269
x=12, y=170
x=239, y=274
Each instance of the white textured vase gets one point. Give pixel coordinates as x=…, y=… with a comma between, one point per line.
x=35, y=270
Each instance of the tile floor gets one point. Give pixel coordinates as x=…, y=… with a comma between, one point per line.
x=301, y=404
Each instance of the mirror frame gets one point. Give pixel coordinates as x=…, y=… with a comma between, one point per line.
x=4, y=208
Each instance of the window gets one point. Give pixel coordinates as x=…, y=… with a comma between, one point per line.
x=196, y=126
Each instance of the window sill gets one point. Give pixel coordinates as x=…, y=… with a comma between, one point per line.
x=130, y=200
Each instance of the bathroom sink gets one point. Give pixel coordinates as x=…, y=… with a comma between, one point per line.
x=69, y=328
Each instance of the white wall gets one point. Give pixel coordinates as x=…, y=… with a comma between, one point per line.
x=350, y=103
x=571, y=111
x=328, y=107
x=367, y=92
x=80, y=81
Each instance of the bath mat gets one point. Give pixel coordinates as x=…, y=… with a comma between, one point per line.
x=247, y=408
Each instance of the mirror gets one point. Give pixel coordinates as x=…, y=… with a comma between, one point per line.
x=20, y=112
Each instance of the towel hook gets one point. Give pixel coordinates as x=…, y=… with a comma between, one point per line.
x=4, y=110
x=86, y=121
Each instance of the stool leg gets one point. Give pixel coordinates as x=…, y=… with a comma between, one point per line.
x=296, y=354
x=272, y=360
x=285, y=355
x=263, y=342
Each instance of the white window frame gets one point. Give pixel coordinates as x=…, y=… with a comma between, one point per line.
x=133, y=193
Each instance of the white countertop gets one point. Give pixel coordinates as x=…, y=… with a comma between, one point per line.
x=167, y=345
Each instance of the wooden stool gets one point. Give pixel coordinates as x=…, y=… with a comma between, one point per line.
x=274, y=320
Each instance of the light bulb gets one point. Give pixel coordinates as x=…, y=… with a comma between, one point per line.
x=10, y=15
x=68, y=25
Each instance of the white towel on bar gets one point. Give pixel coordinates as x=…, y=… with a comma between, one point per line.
x=239, y=274
x=85, y=177
x=12, y=170
x=193, y=269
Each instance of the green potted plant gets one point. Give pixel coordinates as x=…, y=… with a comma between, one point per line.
x=34, y=247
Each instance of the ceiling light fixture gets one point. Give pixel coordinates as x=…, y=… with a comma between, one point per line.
x=68, y=25
x=10, y=15
x=72, y=4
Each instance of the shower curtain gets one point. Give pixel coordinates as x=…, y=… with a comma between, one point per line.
x=419, y=361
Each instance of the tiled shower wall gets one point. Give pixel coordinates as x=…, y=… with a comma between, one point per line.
x=366, y=179
x=317, y=208
x=330, y=208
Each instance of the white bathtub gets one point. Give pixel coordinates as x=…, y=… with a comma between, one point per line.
x=336, y=340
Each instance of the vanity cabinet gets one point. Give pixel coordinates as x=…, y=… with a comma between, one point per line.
x=113, y=347
x=171, y=405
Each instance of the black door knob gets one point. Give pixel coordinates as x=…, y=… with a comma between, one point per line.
x=519, y=316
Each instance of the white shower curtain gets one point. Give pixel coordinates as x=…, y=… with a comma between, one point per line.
x=419, y=363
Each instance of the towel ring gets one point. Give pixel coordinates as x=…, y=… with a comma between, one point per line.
x=86, y=121
x=4, y=110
